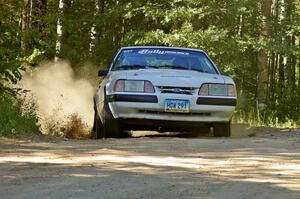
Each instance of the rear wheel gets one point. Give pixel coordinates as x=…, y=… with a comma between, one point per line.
x=222, y=129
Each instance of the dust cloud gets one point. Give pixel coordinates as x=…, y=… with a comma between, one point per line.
x=64, y=103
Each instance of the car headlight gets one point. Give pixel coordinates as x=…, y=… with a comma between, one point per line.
x=140, y=86
x=218, y=90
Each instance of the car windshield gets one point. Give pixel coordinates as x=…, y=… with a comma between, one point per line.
x=133, y=59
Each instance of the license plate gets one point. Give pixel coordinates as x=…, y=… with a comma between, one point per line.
x=181, y=106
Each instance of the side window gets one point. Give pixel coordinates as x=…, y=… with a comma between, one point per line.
x=209, y=66
x=206, y=65
x=119, y=61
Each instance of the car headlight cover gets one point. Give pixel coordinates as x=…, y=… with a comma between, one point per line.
x=139, y=86
x=217, y=90
x=119, y=86
x=232, y=90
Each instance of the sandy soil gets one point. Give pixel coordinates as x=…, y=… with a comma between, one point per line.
x=148, y=165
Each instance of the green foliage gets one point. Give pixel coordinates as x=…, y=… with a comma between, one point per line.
x=9, y=42
x=256, y=118
x=229, y=31
x=14, y=120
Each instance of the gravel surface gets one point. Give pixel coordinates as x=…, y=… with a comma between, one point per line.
x=254, y=163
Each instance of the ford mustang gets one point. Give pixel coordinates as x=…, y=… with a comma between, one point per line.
x=163, y=89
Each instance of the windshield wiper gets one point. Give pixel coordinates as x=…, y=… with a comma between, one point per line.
x=198, y=70
x=172, y=67
x=180, y=68
x=128, y=67
x=136, y=66
x=156, y=67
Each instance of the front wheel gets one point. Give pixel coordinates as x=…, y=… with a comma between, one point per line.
x=222, y=129
x=98, y=126
x=111, y=126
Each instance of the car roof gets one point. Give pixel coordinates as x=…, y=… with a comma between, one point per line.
x=161, y=47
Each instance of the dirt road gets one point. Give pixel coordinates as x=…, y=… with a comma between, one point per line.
x=150, y=166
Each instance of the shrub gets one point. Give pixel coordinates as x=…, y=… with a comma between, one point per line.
x=15, y=119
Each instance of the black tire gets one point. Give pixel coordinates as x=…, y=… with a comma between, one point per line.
x=111, y=126
x=204, y=130
x=98, y=127
x=222, y=129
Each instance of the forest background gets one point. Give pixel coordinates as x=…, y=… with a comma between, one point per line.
x=256, y=42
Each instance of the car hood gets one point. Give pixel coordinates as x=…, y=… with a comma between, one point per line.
x=170, y=77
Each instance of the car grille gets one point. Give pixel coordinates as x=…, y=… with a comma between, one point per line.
x=177, y=90
x=168, y=113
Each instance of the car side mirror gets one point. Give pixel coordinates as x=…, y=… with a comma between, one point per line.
x=103, y=73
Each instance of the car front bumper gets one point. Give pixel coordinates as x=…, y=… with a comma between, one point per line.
x=152, y=107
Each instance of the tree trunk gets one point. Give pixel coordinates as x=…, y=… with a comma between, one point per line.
x=30, y=13
x=59, y=30
x=93, y=28
x=25, y=27
x=40, y=10
x=240, y=26
x=272, y=75
x=281, y=76
x=290, y=6
x=262, y=58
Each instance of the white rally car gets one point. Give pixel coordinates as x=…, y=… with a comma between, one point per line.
x=163, y=89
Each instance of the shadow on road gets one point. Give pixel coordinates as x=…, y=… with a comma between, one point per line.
x=154, y=134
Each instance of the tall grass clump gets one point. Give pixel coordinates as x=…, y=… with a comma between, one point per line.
x=255, y=117
x=16, y=118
